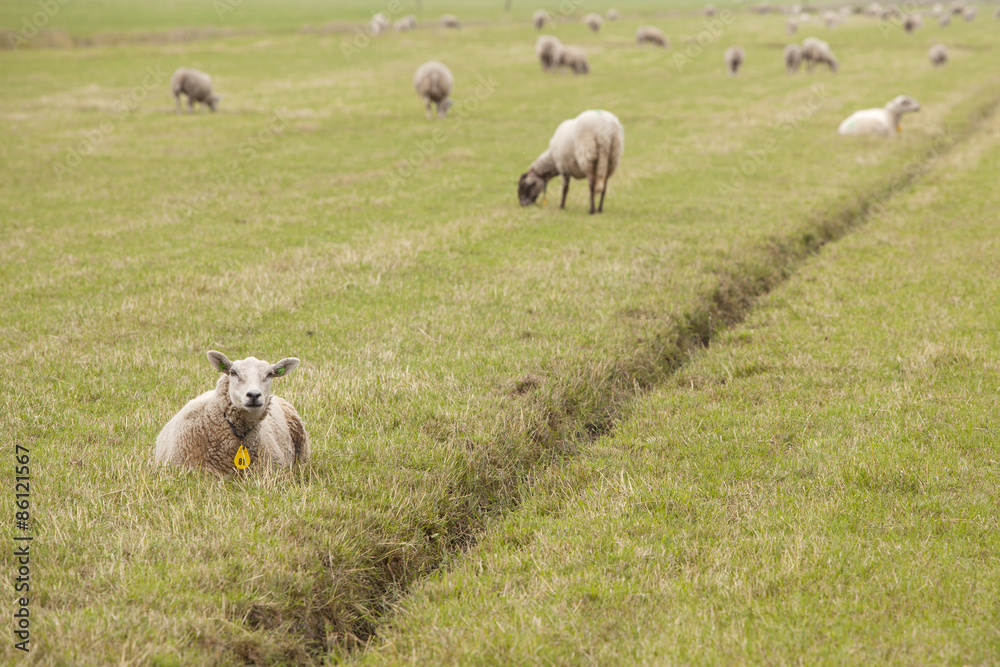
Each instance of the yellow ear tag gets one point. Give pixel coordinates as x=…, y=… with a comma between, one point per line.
x=899, y=128
x=545, y=200
x=242, y=460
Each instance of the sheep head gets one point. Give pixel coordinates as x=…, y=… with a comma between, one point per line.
x=529, y=187
x=213, y=102
x=250, y=379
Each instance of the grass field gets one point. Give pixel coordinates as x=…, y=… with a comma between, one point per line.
x=462, y=358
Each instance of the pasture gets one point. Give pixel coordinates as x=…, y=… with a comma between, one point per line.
x=466, y=363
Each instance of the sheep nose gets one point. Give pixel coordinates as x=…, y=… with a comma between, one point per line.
x=253, y=396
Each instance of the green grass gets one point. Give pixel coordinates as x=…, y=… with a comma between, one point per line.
x=419, y=311
x=818, y=487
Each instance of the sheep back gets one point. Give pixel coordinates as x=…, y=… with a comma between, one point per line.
x=433, y=81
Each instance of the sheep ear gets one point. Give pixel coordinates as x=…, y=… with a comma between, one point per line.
x=284, y=367
x=219, y=361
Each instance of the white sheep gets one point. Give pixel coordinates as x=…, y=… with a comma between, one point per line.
x=969, y=14
x=573, y=58
x=196, y=85
x=378, y=24
x=450, y=21
x=938, y=55
x=547, y=49
x=791, y=26
x=433, y=82
x=793, y=58
x=593, y=21
x=589, y=146
x=612, y=15
x=734, y=56
x=709, y=10
x=817, y=52
x=912, y=22
x=406, y=23
x=209, y=431
x=945, y=20
x=956, y=7
x=540, y=18
x=882, y=122
x=831, y=19
x=647, y=34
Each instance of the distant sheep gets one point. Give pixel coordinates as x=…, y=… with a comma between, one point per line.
x=240, y=412
x=450, y=21
x=709, y=10
x=540, y=19
x=912, y=22
x=734, y=56
x=956, y=7
x=433, y=82
x=884, y=122
x=817, y=52
x=945, y=20
x=589, y=146
x=612, y=15
x=378, y=24
x=547, y=49
x=938, y=55
x=196, y=85
x=573, y=58
x=405, y=23
x=969, y=14
x=593, y=21
x=647, y=34
x=791, y=26
x=831, y=19
x=793, y=58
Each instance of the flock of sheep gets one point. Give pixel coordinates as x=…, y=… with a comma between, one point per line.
x=239, y=423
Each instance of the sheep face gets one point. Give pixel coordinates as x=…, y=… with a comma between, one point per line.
x=904, y=104
x=529, y=187
x=250, y=380
x=213, y=102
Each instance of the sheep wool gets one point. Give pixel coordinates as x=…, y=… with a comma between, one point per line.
x=540, y=18
x=547, y=49
x=938, y=55
x=573, y=58
x=734, y=56
x=793, y=58
x=594, y=21
x=240, y=412
x=589, y=146
x=196, y=85
x=612, y=15
x=647, y=34
x=450, y=21
x=884, y=122
x=434, y=82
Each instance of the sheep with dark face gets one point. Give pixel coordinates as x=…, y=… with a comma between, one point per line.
x=547, y=49
x=938, y=55
x=574, y=58
x=196, y=85
x=239, y=418
x=793, y=58
x=540, y=18
x=734, y=56
x=589, y=146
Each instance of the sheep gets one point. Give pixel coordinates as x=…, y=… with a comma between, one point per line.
x=378, y=23
x=879, y=122
x=210, y=431
x=956, y=7
x=996, y=14
x=945, y=20
x=817, y=52
x=969, y=14
x=791, y=26
x=709, y=10
x=938, y=55
x=647, y=34
x=573, y=58
x=540, y=18
x=734, y=57
x=450, y=21
x=831, y=19
x=593, y=21
x=196, y=85
x=793, y=58
x=547, y=49
x=912, y=22
x=589, y=146
x=937, y=10
x=433, y=82
x=406, y=23
x=612, y=15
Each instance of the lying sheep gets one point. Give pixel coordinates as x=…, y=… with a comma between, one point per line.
x=817, y=52
x=647, y=34
x=734, y=56
x=938, y=55
x=450, y=21
x=547, y=49
x=573, y=58
x=196, y=85
x=209, y=431
x=589, y=146
x=434, y=82
x=540, y=18
x=593, y=21
x=612, y=15
x=879, y=122
x=406, y=23
x=793, y=58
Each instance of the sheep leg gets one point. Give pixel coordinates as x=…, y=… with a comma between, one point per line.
x=565, y=190
x=191, y=104
x=593, y=189
x=427, y=105
x=177, y=98
x=600, y=208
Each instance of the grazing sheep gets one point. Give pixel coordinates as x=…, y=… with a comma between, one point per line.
x=945, y=20
x=647, y=34
x=969, y=14
x=589, y=146
x=434, y=82
x=831, y=19
x=196, y=85
x=912, y=22
x=378, y=24
x=937, y=10
x=734, y=56
x=938, y=55
x=406, y=23
x=612, y=15
x=540, y=18
x=593, y=21
x=793, y=58
x=956, y=7
x=879, y=122
x=209, y=431
x=450, y=21
x=791, y=26
x=817, y=52
x=547, y=49
x=573, y=58
x=709, y=10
